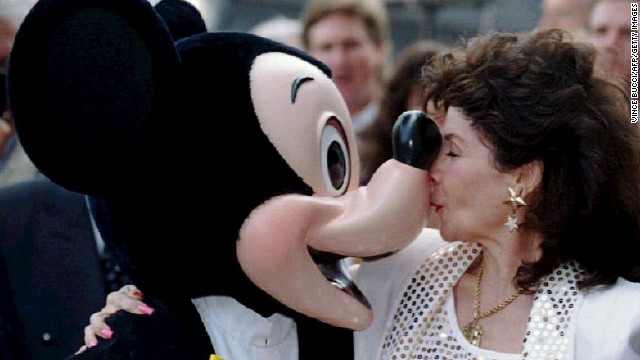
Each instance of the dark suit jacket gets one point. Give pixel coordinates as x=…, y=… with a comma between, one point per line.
x=11, y=334
x=52, y=269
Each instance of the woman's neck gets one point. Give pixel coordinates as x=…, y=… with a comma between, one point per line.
x=501, y=261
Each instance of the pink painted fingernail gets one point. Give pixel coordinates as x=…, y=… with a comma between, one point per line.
x=106, y=333
x=93, y=343
x=146, y=309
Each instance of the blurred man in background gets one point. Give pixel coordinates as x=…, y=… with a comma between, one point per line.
x=352, y=38
x=15, y=166
x=610, y=33
x=572, y=15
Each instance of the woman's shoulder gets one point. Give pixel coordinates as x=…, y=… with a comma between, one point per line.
x=609, y=315
x=623, y=292
x=616, y=304
x=621, y=299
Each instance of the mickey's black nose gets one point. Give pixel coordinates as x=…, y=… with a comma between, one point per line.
x=416, y=139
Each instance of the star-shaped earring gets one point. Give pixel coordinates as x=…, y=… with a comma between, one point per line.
x=512, y=223
x=515, y=199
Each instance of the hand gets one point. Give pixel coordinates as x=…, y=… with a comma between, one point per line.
x=129, y=299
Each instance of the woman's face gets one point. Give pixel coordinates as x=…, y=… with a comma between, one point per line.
x=467, y=189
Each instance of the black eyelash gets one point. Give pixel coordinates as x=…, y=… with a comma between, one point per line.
x=451, y=154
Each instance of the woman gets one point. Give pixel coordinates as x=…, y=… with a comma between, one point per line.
x=537, y=190
x=539, y=170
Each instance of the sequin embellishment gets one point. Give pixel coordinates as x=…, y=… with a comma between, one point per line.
x=420, y=328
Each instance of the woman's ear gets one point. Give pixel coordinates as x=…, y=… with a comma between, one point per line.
x=529, y=176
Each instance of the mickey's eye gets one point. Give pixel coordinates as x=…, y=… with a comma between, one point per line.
x=334, y=151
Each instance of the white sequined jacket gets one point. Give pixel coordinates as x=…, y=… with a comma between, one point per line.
x=565, y=323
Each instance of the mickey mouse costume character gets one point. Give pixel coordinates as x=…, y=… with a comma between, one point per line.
x=222, y=165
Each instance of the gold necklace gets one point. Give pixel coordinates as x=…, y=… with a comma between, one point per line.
x=473, y=331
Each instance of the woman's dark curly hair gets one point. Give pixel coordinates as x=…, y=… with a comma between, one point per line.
x=535, y=97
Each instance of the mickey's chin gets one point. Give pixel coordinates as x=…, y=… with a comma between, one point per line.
x=314, y=283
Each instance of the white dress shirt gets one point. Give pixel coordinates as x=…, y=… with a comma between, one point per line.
x=239, y=333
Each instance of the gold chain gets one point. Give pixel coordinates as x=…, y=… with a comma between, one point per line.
x=473, y=331
x=476, y=311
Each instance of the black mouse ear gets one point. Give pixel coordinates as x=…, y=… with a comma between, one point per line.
x=87, y=80
x=181, y=17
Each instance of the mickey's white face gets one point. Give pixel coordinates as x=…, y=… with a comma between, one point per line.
x=302, y=113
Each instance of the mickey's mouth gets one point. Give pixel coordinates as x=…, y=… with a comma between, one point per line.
x=335, y=270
